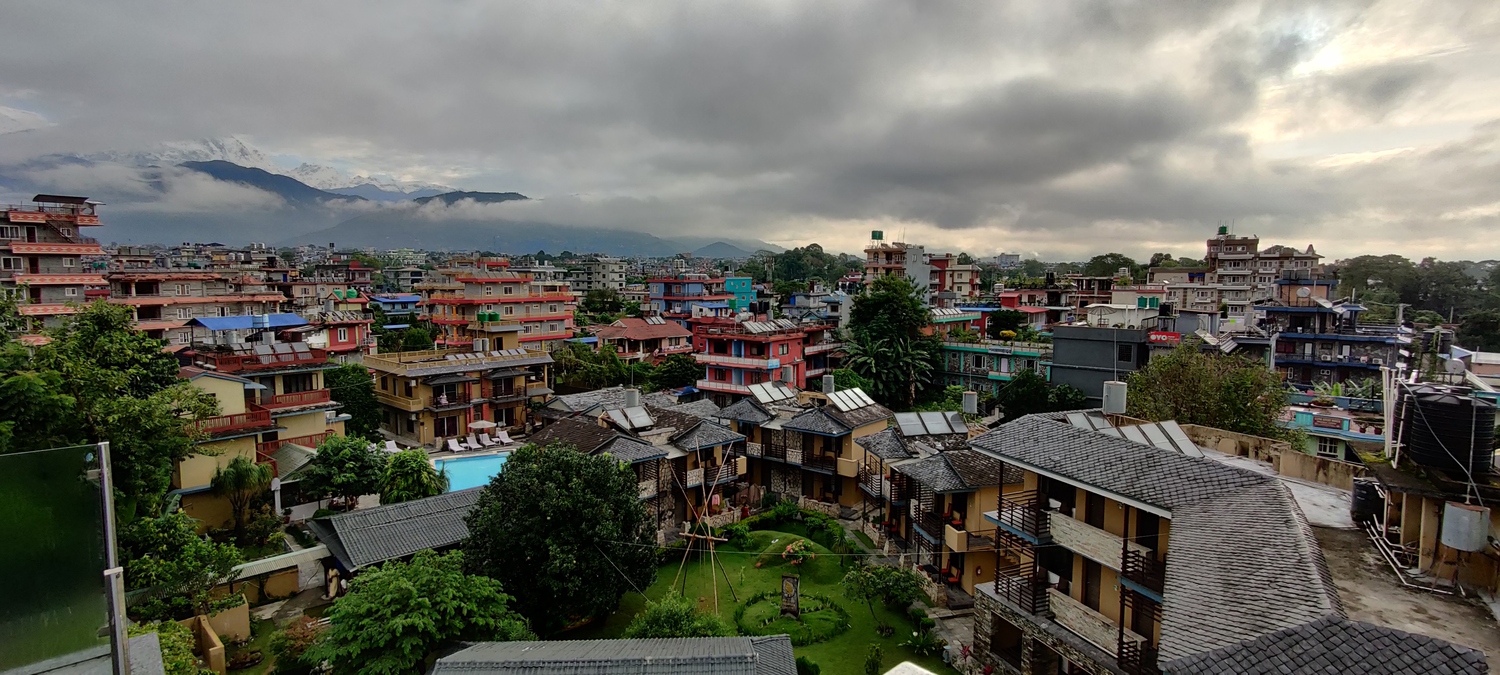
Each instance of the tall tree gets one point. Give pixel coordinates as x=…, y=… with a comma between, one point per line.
x=1223, y=391
x=351, y=385
x=397, y=615
x=181, y=567
x=1027, y=393
x=1004, y=320
x=408, y=475
x=564, y=532
x=239, y=482
x=345, y=467
x=677, y=370
x=886, y=343
x=1110, y=264
x=601, y=301
x=674, y=616
x=1480, y=330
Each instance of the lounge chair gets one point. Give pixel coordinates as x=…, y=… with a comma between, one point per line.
x=474, y=443
x=456, y=445
x=504, y=438
x=390, y=446
x=486, y=440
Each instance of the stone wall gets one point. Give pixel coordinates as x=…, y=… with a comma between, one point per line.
x=1040, y=651
x=786, y=481
x=825, y=508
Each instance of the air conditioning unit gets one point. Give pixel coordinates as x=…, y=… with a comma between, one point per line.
x=1325, y=372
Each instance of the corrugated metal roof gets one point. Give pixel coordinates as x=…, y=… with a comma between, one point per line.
x=677, y=656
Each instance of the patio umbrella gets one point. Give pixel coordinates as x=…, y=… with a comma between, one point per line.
x=482, y=424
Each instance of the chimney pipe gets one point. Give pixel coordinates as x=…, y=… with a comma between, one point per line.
x=827, y=384
x=632, y=398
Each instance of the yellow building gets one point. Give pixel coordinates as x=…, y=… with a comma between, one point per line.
x=950, y=540
x=427, y=397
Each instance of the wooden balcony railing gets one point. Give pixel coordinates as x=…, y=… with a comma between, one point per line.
x=1023, y=588
x=267, y=448
x=931, y=523
x=236, y=422
x=1144, y=570
x=458, y=398
x=1025, y=513
x=821, y=462
x=312, y=397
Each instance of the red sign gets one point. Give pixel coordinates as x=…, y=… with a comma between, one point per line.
x=1161, y=337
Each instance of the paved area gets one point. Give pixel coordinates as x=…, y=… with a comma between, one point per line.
x=1324, y=505
x=1372, y=594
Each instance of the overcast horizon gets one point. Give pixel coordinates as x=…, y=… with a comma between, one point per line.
x=1055, y=129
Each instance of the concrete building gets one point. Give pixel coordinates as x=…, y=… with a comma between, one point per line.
x=650, y=340
x=471, y=304
x=164, y=301
x=1086, y=357
x=676, y=297
x=427, y=397
x=908, y=260
x=987, y=365
x=598, y=272
x=404, y=279
x=1319, y=339
x=41, y=249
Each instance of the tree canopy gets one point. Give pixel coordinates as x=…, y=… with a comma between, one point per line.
x=1004, y=320
x=345, y=467
x=1028, y=393
x=1110, y=264
x=799, y=264
x=565, y=532
x=166, y=554
x=408, y=475
x=398, y=614
x=351, y=385
x=239, y=482
x=674, y=616
x=1223, y=391
x=887, y=347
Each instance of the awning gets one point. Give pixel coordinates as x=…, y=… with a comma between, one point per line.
x=452, y=378
x=502, y=374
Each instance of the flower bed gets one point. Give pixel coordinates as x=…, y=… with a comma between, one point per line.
x=821, y=619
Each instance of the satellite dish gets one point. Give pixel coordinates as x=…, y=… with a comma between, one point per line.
x=1304, y=292
x=1454, y=367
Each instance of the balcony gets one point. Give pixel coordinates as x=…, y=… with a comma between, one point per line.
x=822, y=347
x=738, y=361
x=724, y=387
x=457, y=399
x=228, y=423
x=1142, y=570
x=1091, y=625
x=1022, y=587
x=1091, y=542
x=822, y=463
x=239, y=362
x=268, y=448
x=930, y=524
x=301, y=398
x=692, y=478
x=1023, y=514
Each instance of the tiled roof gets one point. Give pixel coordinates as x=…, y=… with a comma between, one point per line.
x=701, y=409
x=666, y=418
x=704, y=434
x=746, y=410
x=632, y=328
x=1240, y=565
x=368, y=536
x=632, y=450
x=584, y=435
x=859, y=417
x=818, y=421
x=685, y=656
x=609, y=397
x=1335, y=645
x=933, y=473
x=290, y=457
x=1134, y=470
x=887, y=444
x=958, y=471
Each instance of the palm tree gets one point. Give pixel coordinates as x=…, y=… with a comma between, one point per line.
x=897, y=366
x=239, y=482
x=410, y=476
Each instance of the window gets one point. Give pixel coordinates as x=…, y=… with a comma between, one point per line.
x=71, y=292
x=1125, y=353
x=184, y=313
x=222, y=311
x=343, y=335
x=385, y=382
x=979, y=361
x=551, y=309
x=10, y=232
x=66, y=232
x=300, y=382
x=784, y=349
x=509, y=310
x=510, y=290
x=489, y=290
x=407, y=389
x=182, y=289
x=69, y=262
x=184, y=338
x=12, y=264
x=446, y=426
x=1328, y=448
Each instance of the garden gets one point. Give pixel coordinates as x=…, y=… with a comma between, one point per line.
x=835, y=631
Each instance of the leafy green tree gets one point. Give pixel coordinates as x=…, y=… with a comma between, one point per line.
x=239, y=482
x=408, y=475
x=291, y=644
x=675, y=617
x=677, y=370
x=580, y=366
x=1003, y=320
x=177, y=647
x=1028, y=393
x=416, y=338
x=1223, y=391
x=351, y=385
x=844, y=378
x=873, y=658
x=892, y=306
x=397, y=615
x=891, y=585
x=345, y=467
x=1480, y=330
x=167, y=555
x=785, y=288
x=565, y=532
x=899, y=368
x=965, y=259
x=806, y=666
x=601, y=301
x=1110, y=264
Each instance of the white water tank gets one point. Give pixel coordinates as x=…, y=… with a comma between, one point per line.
x=1114, y=397
x=1466, y=527
x=632, y=398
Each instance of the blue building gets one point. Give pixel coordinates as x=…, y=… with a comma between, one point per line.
x=1321, y=340
x=396, y=304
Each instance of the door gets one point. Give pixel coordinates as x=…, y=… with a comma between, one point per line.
x=1093, y=580
x=31, y=234
x=1093, y=510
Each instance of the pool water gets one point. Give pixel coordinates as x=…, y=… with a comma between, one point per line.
x=468, y=472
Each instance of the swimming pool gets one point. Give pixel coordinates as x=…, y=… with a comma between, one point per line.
x=468, y=472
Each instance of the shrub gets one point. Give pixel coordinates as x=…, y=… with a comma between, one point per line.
x=924, y=643
x=738, y=535
x=770, y=500
x=822, y=618
x=177, y=645
x=784, y=511
x=798, y=552
x=675, y=617
x=805, y=666
x=290, y=644
x=873, y=659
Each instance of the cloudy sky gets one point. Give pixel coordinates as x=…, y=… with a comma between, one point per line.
x=1059, y=128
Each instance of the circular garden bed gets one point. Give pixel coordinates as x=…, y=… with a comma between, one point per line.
x=822, y=618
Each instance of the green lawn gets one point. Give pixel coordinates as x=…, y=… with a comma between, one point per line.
x=841, y=655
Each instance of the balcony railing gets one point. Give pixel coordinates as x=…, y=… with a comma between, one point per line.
x=728, y=387
x=312, y=397
x=235, y=363
x=235, y=422
x=931, y=523
x=1022, y=587
x=821, y=462
x=268, y=448
x=459, y=398
x=1137, y=658
x=1024, y=513
x=737, y=361
x=822, y=347
x=1144, y=570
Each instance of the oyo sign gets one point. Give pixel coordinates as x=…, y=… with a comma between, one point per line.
x=1161, y=337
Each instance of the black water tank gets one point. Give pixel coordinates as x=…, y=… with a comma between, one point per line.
x=1366, y=502
x=1444, y=428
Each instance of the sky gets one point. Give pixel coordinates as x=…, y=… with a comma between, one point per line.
x=1051, y=128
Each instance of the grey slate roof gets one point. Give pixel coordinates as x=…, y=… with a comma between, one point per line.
x=746, y=410
x=701, y=409
x=818, y=421
x=684, y=656
x=365, y=537
x=609, y=397
x=704, y=434
x=1334, y=646
x=585, y=435
x=631, y=450
x=958, y=471
x=860, y=416
x=887, y=444
x=933, y=473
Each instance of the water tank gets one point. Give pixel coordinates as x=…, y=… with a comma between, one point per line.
x=1444, y=428
x=971, y=402
x=1365, y=503
x=1466, y=527
x=828, y=385
x=1114, y=397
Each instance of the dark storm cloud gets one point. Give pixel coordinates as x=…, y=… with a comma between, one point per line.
x=1065, y=127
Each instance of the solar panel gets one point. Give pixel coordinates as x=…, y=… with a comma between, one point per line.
x=1135, y=434
x=956, y=420
x=639, y=419
x=1180, y=437
x=282, y=348
x=1080, y=420
x=618, y=416
x=864, y=398
x=262, y=349
x=1111, y=432
x=910, y=424
x=935, y=423
x=300, y=347
x=837, y=400
x=1158, y=437
x=760, y=393
x=1099, y=422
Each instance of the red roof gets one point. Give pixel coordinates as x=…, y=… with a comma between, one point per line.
x=632, y=328
x=1031, y=310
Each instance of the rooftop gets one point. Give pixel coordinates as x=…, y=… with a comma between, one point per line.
x=368, y=536
x=688, y=656
x=442, y=361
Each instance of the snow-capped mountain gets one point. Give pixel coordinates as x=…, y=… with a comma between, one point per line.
x=14, y=119
x=329, y=178
x=230, y=149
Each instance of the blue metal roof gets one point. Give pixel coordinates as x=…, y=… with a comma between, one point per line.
x=712, y=305
x=398, y=297
x=585, y=340
x=396, y=326
x=217, y=323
